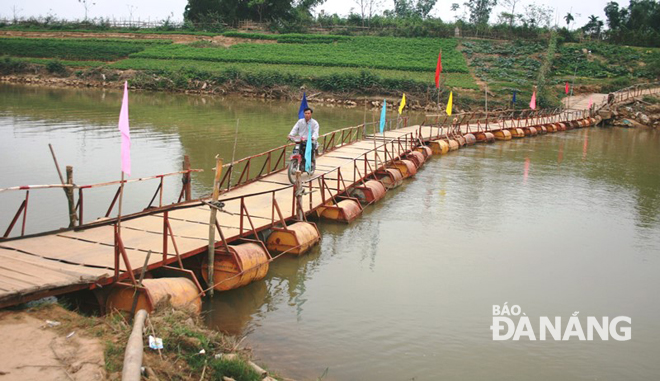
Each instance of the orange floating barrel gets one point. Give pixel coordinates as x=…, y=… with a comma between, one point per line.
x=502, y=135
x=390, y=177
x=345, y=211
x=417, y=158
x=406, y=167
x=453, y=144
x=550, y=127
x=181, y=292
x=371, y=191
x=250, y=260
x=296, y=239
x=516, y=133
x=425, y=150
x=439, y=147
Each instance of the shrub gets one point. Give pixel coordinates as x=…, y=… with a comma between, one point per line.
x=56, y=67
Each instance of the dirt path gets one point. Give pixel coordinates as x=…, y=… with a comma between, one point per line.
x=31, y=349
x=176, y=38
x=581, y=102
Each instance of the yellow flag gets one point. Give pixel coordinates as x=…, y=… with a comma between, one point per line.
x=451, y=97
x=403, y=103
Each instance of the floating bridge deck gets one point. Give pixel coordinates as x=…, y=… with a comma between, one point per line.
x=89, y=257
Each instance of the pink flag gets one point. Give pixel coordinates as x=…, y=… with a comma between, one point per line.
x=532, y=103
x=125, y=134
x=591, y=102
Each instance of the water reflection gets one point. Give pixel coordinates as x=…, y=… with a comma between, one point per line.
x=406, y=290
x=82, y=126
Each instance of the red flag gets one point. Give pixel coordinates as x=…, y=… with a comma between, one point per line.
x=566, y=87
x=438, y=70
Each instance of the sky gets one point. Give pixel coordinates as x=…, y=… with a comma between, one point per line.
x=157, y=10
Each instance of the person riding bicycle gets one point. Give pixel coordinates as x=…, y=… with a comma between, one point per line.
x=301, y=129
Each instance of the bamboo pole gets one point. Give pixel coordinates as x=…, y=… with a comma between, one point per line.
x=134, y=350
x=68, y=191
x=211, y=246
x=186, y=178
x=121, y=198
x=69, y=195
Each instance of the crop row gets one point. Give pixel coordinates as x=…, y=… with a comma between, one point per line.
x=515, y=48
x=599, y=60
x=290, y=38
x=414, y=54
x=74, y=49
x=44, y=61
x=303, y=72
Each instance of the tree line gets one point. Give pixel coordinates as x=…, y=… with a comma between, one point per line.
x=637, y=24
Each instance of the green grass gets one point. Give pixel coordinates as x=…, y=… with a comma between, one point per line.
x=114, y=357
x=74, y=49
x=412, y=54
x=302, y=72
x=291, y=38
x=605, y=60
x=236, y=369
x=45, y=61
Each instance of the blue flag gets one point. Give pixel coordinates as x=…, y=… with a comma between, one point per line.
x=303, y=106
x=514, y=96
x=308, y=149
x=382, y=117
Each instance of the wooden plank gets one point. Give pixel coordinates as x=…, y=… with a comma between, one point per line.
x=20, y=274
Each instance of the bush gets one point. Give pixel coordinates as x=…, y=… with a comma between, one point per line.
x=56, y=67
x=9, y=65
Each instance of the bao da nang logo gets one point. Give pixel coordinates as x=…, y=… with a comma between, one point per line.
x=510, y=323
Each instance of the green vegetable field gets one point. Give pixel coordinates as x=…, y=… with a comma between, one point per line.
x=412, y=54
x=74, y=49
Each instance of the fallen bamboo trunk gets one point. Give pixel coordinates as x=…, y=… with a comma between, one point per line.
x=134, y=350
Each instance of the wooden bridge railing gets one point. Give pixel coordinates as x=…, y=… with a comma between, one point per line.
x=255, y=167
x=487, y=121
x=184, y=195
x=634, y=92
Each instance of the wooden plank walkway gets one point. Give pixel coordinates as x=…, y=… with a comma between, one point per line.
x=63, y=261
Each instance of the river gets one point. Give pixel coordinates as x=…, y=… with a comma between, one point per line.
x=559, y=225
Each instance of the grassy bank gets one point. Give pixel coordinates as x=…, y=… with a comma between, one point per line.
x=190, y=350
x=339, y=66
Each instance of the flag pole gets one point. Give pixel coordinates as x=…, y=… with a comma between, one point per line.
x=124, y=130
x=121, y=198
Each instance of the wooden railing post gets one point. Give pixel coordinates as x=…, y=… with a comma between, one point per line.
x=187, y=189
x=211, y=245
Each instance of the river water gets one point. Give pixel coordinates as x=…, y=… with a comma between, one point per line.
x=559, y=225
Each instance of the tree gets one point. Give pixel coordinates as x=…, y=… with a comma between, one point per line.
x=231, y=11
x=613, y=14
x=367, y=8
x=403, y=8
x=538, y=16
x=407, y=9
x=424, y=7
x=87, y=4
x=480, y=11
x=569, y=19
x=510, y=15
x=593, y=27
